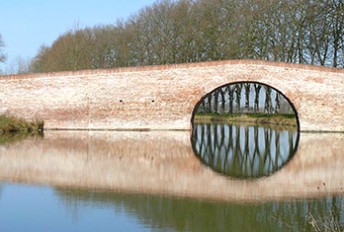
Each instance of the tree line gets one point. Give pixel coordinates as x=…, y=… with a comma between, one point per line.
x=2, y=53
x=182, y=31
x=170, y=32
x=245, y=97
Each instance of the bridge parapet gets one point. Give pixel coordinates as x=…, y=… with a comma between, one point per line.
x=164, y=97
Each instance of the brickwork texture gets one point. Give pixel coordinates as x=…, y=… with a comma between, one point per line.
x=164, y=97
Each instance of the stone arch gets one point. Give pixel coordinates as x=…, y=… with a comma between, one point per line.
x=243, y=82
x=217, y=135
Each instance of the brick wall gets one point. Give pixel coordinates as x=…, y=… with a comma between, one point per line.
x=163, y=97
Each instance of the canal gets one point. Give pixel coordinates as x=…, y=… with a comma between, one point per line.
x=219, y=177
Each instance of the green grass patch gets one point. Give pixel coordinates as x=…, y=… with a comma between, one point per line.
x=251, y=115
x=12, y=125
x=262, y=115
x=254, y=119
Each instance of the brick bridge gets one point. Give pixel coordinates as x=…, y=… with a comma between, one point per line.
x=164, y=97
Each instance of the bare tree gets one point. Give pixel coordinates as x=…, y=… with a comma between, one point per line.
x=257, y=88
x=2, y=54
x=182, y=31
x=247, y=96
x=238, y=88
x=20, y=66
x=267, y=107
x=278, y=104
x=230, y=90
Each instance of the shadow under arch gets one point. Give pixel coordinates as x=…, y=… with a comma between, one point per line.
x=240, y=130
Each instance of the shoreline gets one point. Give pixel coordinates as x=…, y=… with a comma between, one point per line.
x=275, y=120
x=10, y=125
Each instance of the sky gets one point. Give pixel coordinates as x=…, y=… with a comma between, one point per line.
x=26, y=25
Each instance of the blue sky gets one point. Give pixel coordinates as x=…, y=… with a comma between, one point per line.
x=25, y=25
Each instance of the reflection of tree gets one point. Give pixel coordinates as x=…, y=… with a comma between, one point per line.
x=317, y=215
x=182, y=214
x=7, y=138
x=246, y=97
x=239, y=151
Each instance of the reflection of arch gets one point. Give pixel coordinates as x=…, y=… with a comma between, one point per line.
x=243, y=151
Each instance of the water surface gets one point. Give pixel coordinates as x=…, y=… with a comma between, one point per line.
x=244, y=151
x=35, y=208
x=153, y=181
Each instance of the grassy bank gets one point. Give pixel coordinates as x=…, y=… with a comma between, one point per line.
x=13, y=125
x=14, y=137
x=275, y=119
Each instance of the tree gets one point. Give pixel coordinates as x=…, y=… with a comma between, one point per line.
x=2, y=54
x=268, y=104
x=247, y=87
x=238, y=88
x=257, y=88
x=278, y=104
x=182, y=31
x=230, y=91
x=19, y=66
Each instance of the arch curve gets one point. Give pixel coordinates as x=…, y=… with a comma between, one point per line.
x=253, y=139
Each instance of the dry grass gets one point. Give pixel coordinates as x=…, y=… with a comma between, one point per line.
x=329, y=223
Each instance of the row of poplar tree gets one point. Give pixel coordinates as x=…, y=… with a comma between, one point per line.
x=244, y=98
x=181, y=31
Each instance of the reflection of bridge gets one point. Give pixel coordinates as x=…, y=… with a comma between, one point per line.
x=163, y=97
x=164, y=163
x=239, y=151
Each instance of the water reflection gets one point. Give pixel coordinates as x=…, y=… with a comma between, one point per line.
x=244, y=151
x=7, y=138
x=164, y=163
x=181, y=214
x=32, y=208
x=153, y=179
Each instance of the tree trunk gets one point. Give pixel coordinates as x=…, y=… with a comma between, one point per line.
x=230, y=99
x=257, y=88
x=238, y=88
x=247, y=95
x=268, y=100
x=278, y=104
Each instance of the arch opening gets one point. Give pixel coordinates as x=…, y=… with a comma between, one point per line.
x=245, y=130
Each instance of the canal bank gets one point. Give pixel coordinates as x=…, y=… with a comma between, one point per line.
x=12, y=125
x=286, y=120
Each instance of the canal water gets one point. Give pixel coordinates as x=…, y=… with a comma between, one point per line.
x=244, y=151
x=215, y=178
